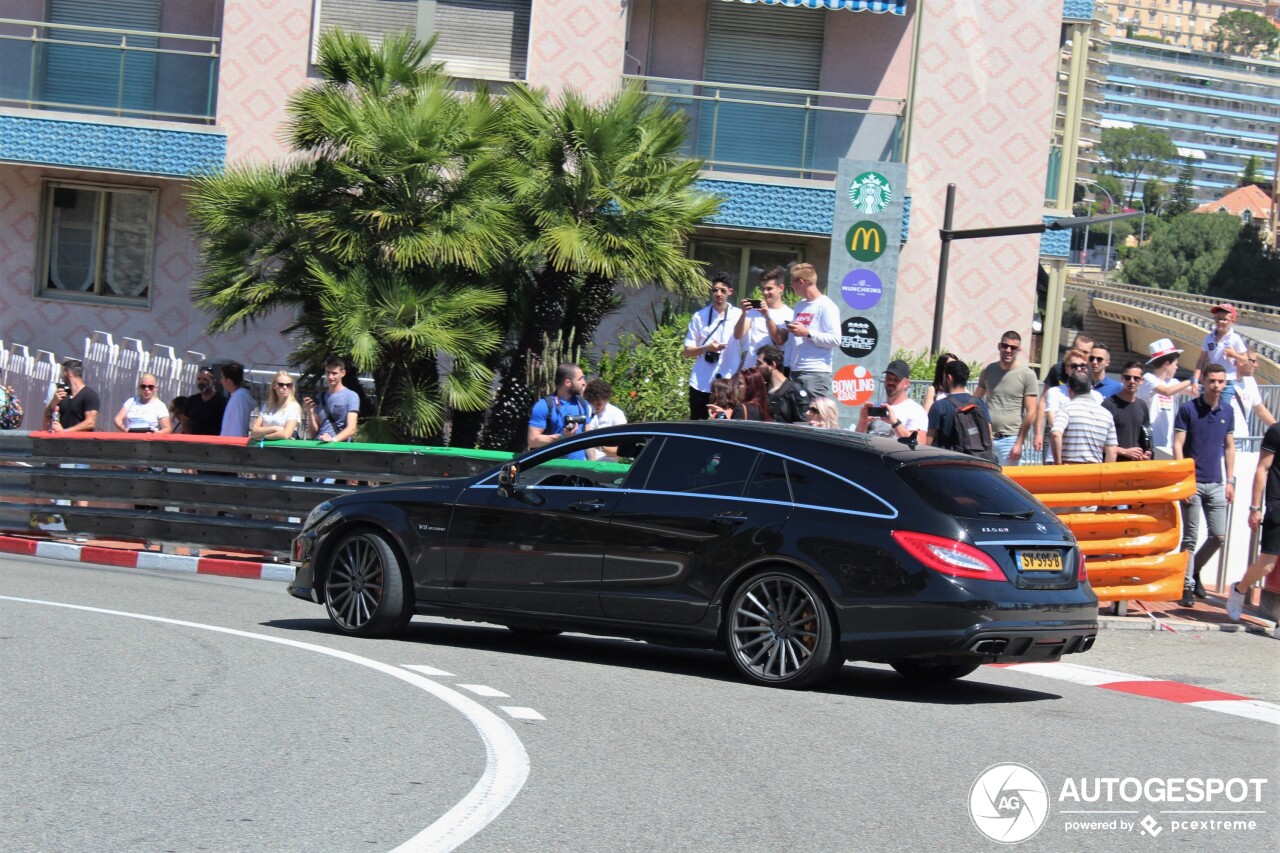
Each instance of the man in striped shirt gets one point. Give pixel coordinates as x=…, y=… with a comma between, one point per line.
x=1083, y=431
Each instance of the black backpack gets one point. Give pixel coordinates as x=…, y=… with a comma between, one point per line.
x=970, y=431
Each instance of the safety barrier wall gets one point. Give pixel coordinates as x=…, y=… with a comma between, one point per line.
x=1126, y=519
x=177, y=489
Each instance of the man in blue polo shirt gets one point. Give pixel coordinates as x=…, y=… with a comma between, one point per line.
x=1203, y=430
x=562, y=414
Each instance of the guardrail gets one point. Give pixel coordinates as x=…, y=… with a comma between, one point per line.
x=138, y=73
x=1256, y=313
x=797, y=132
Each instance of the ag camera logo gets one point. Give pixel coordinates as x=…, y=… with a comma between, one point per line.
x=1008, y=803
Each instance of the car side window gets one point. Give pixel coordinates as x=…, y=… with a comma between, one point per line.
x=817, y=488
x=769, y=480
x=702, y=467
x=607, y=465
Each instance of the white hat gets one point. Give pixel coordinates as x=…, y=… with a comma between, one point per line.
x=1159, y=349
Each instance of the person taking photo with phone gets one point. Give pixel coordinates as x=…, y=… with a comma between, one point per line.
x=763, y=321
x=897, y=416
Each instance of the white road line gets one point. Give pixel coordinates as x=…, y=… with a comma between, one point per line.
x=506, y=762
x=1076, y=673
x=1252, y=708
x=482, y=690
x=522, y=713
x=427, y=670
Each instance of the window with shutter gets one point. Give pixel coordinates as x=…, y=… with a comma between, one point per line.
x=85, y=75
x=755, y=45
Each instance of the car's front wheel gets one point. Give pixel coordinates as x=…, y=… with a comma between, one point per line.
x=932, y=670
x=364, y=587
x=780, y=631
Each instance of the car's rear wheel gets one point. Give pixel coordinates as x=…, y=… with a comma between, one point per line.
x=364, y=588
x=781, y=632
x=933, y=670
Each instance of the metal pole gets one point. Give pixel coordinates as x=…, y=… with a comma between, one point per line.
x=943, y=258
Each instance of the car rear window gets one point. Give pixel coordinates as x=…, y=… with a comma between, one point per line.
x=967, y=491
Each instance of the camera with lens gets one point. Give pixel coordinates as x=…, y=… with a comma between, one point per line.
x=711, y=357
x=577, y=420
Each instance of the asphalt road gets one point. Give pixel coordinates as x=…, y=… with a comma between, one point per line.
x=244, y=724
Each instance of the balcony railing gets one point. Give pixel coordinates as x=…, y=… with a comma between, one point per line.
x=103, y=71
x=775, y=131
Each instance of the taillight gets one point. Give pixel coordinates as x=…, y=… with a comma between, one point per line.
x=949, y=556
x=1081, y=574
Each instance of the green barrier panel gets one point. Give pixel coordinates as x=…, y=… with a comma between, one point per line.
x=490, y=456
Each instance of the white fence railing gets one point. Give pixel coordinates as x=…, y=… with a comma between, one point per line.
x=112, y=369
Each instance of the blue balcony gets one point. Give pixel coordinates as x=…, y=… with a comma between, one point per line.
x=102, y=71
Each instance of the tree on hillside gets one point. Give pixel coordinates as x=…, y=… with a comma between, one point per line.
x=1250, y=173
x=1187, y=256
x=1182, y=199
x=605, y=200
x=1135, y=152
x=1245, y=33
x=380, y=237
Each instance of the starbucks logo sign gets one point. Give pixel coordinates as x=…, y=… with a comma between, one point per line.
x=870, y=192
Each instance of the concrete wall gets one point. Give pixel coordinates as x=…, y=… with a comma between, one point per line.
x=985, y=91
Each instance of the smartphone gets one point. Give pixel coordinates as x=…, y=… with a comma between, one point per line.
x=877, y=411
x=757, y=304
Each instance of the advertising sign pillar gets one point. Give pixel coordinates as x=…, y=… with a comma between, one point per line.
x=863, y=277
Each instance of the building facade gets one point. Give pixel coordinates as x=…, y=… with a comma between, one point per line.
x=1184, y=23
x=108, y=109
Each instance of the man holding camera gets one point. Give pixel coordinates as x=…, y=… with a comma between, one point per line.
x=74, y=407
x=898, y=416
x=562, y=414
x=707, y=342
x=763, y=321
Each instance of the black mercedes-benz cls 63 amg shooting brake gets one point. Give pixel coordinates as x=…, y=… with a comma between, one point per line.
x=791, y=548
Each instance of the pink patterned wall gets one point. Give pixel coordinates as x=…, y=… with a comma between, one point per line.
x=61, y=326
x=577, y=44
x=985, y=89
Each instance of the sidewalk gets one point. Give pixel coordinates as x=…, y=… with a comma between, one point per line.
x=1207, y=615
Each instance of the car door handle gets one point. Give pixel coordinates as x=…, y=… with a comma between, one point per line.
x=730, y=517
x=593, y=505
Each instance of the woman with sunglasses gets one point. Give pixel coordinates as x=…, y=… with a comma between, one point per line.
x=822, y=413
x=282, y=414
x=144, y=412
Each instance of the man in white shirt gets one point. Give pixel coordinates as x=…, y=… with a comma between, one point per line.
x=1248, y=398
x=707, y=343
x=603, y=414
x=902, y=416
x=813, y=334
x=763, y=321
x=1222, y=346
x=1159, y=390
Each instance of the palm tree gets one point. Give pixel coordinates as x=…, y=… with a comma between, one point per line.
x=379, y=235
x=606, y=199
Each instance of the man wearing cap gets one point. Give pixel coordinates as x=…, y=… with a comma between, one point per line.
x=903, y=416
x=1159, y=387
x=1222, y=346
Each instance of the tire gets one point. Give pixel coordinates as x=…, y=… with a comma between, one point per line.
x=364, y=587
x=924, y=670
x=780, y=631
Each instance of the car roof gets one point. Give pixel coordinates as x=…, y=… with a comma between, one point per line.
x=813, y=444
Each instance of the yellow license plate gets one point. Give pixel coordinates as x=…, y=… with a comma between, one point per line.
x=1040, y=561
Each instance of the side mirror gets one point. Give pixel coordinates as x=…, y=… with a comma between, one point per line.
x=507, y=479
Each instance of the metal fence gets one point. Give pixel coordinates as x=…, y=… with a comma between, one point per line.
x=112, y=369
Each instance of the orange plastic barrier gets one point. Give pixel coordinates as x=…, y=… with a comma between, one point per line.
x=1127, y=521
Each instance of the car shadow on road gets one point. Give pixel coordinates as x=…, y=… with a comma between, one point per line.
x=858, y=679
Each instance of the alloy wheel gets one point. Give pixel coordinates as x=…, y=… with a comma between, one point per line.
x=779, y=632
x=355, y=583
